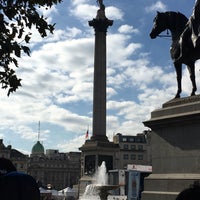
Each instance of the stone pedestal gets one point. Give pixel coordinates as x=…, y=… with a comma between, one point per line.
x=93, y=154
x=175, y=148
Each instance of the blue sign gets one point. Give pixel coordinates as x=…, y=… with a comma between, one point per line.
x=134, y=185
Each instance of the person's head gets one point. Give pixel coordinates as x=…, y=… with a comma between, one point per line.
x=6, y=166
x=191, y=193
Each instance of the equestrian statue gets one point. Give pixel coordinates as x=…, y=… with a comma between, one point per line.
x=185, y=47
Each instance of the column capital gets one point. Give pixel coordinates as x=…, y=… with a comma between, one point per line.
x=100, y=25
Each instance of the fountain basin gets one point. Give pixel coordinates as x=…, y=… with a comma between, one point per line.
x=101, y=190
x=105, y=188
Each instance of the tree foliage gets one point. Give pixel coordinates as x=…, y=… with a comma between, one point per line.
x=16, y=16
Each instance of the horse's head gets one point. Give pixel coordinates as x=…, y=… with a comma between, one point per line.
x=159, y=25
x=174, y=21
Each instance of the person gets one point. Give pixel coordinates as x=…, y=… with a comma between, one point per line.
x=191, y=193
x=16, y=185
x=6, y=166
x=191, y=30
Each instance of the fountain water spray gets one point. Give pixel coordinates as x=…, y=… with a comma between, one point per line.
x=101, y=176
x=99, y=189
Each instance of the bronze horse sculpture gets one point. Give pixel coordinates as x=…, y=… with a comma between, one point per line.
x=176, y=22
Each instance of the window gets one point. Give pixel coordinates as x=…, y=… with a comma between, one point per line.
x=133, y=147
x=140, y=147
x=125, y=156
x=138, y=139
x=132, y=139
x=125, y=146
x=140, y=157
x=124, y=139
x=133, y=157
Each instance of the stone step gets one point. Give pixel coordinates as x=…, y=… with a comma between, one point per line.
x=167, y=186
x=169, y=182
x=159, y=195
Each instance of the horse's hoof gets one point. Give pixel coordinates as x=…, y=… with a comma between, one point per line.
x=193, y=94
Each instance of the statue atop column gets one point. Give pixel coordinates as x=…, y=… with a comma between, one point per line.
x=101, y=11
x=101, y=22
x=101, y=5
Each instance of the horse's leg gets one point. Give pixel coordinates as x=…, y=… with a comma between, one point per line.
x=191, y=69
x=183, y=43
x=178, y=67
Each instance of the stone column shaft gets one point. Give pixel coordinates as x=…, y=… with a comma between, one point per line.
x=99, y=90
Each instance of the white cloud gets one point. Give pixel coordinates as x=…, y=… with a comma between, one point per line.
x=73, y=32
x=58, y=82
x=84, y=12
x=73, y=144
x=87, y=12
x=77, y=2
x=127, y=29
x=114, y=13
x=119, y=48
x=158, y=6
x=47, y=13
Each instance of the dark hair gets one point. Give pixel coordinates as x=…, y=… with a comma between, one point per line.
x=6, y=166
x=192, y=193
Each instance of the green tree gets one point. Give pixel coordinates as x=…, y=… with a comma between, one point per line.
x=16, y=16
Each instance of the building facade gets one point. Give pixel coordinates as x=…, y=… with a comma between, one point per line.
x=52, y=168
x=19, y=159
x=61, y=170
x=133, y=149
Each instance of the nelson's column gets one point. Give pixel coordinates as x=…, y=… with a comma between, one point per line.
x=99, y=148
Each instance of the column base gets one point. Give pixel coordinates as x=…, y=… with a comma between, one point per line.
x=102, y=138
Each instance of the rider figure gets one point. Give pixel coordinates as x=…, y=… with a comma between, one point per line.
x=191, y=30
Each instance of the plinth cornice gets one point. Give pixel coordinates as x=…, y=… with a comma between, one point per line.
x=176, y=112
x=99, y=146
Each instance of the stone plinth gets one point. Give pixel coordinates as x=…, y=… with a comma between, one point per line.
x=175, y=148
x=93, y=154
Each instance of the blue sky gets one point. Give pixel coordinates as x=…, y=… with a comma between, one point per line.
x=58, y=77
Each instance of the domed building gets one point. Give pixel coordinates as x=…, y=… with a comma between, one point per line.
x=60, y=169
x=50, y=166
x=37, y=149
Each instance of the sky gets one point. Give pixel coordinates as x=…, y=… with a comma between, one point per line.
x=57, y=80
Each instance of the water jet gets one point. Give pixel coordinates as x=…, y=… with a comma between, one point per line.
x=99, y=189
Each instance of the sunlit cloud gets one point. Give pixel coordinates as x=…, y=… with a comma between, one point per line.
x=158, y=6
x=57, y=80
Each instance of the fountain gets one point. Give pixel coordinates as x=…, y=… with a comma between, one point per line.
x=99, y=189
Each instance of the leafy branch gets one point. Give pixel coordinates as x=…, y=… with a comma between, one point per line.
x=15, y=17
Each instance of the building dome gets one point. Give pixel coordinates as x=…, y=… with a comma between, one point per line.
x=38, y=148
